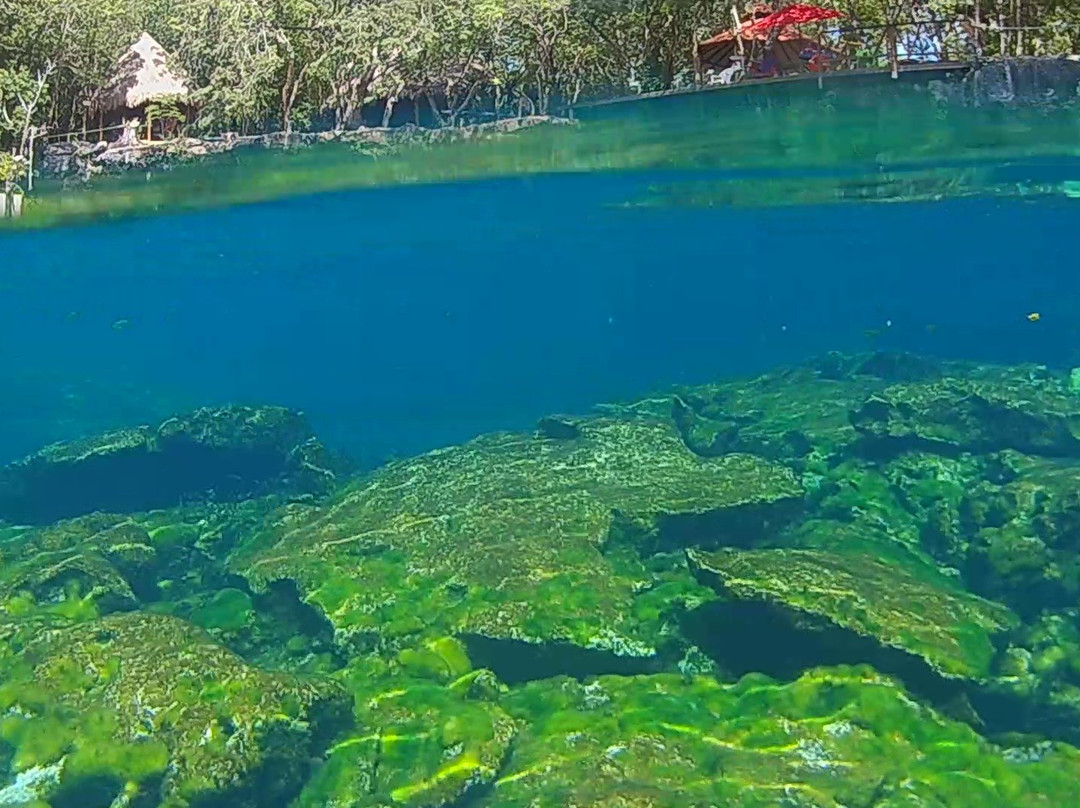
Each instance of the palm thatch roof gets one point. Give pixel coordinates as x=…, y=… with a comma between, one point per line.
x=142, y=75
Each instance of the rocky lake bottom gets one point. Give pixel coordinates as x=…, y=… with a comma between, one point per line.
x=852, y=582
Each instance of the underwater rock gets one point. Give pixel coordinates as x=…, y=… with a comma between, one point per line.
x=96, y=564
x=914, y=499
x=75, y=568
x=146, y=710
x=889, y=366
x=905, y=610
x=834, y=737
x=1024, y=534
x=874, y=406
x=422, y=744
x=226, y=453
x=991, y=409
x=1039, y=676
x=170, y=562
x=558, y=428
x=795, y=416
x=517, y=538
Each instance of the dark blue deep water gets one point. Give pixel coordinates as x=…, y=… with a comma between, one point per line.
x=404, y=319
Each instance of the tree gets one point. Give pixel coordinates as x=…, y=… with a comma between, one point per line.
x=22, y=99
x=371, y=43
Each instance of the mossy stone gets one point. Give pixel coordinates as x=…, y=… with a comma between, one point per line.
x=909, y=609
x=123, y=700
x=834, y=737
x=509, y=536
x=229, y=610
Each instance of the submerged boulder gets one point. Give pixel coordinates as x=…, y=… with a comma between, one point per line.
x=789, y=416
x=138, y=709
x=1023, y=533
x=834, y=737
x=227, y=453
x=423, y=740
x=518, y=539
x=985, y=409
x=113, y=562
x=872, y=602
x=799, y=415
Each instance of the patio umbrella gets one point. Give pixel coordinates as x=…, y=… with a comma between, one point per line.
x=797, y=14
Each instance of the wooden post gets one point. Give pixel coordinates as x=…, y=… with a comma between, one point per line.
x=738, y=39
x=150, y=133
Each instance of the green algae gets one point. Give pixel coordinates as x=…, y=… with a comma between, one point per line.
x=228, y=610
x=234, y=452
x=421, y=743
x=793, y=415
x=1024, y=533
x=506, y=537
x=834, y=737
x=123, y=699
x=936, y=621
x=565, y=552
x=984, y=409
x=444, y=658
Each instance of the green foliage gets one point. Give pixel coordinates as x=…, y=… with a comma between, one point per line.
x=254, y=65
x=166, y=111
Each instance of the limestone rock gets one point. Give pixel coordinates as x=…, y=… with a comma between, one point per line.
x=515, y=537
x=232, y=452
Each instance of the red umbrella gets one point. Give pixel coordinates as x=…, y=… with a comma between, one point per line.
x=797, y=14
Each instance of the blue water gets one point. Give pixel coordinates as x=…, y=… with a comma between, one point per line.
x=415, y=317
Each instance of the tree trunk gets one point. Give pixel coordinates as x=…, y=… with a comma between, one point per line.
x=698, y=77
x=440, y=121
x=1019, y=32
x=388, y=110
x=978, y=31
x=894, y=60
x=288, y=96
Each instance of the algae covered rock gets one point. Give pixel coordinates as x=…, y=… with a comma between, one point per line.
x=981, y=409
x=81, y=564
x=113, y=561
x=923, y=617
x=514, y=537
x=1024, y=533
x=148, y=710
x=435, y=740
x=793, y=415
x=233, y=452
x=834, y=737
x=800, y=414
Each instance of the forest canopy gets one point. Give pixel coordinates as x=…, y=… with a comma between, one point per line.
x=259, y=65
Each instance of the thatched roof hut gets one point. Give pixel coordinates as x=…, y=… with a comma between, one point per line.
x=142, y=76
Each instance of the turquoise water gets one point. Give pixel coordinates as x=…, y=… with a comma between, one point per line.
x=405, y=319
x=663, y=485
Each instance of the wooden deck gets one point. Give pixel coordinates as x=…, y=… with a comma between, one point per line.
x=934, y=69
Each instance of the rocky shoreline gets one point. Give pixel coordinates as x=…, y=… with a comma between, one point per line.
x=84, y=159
